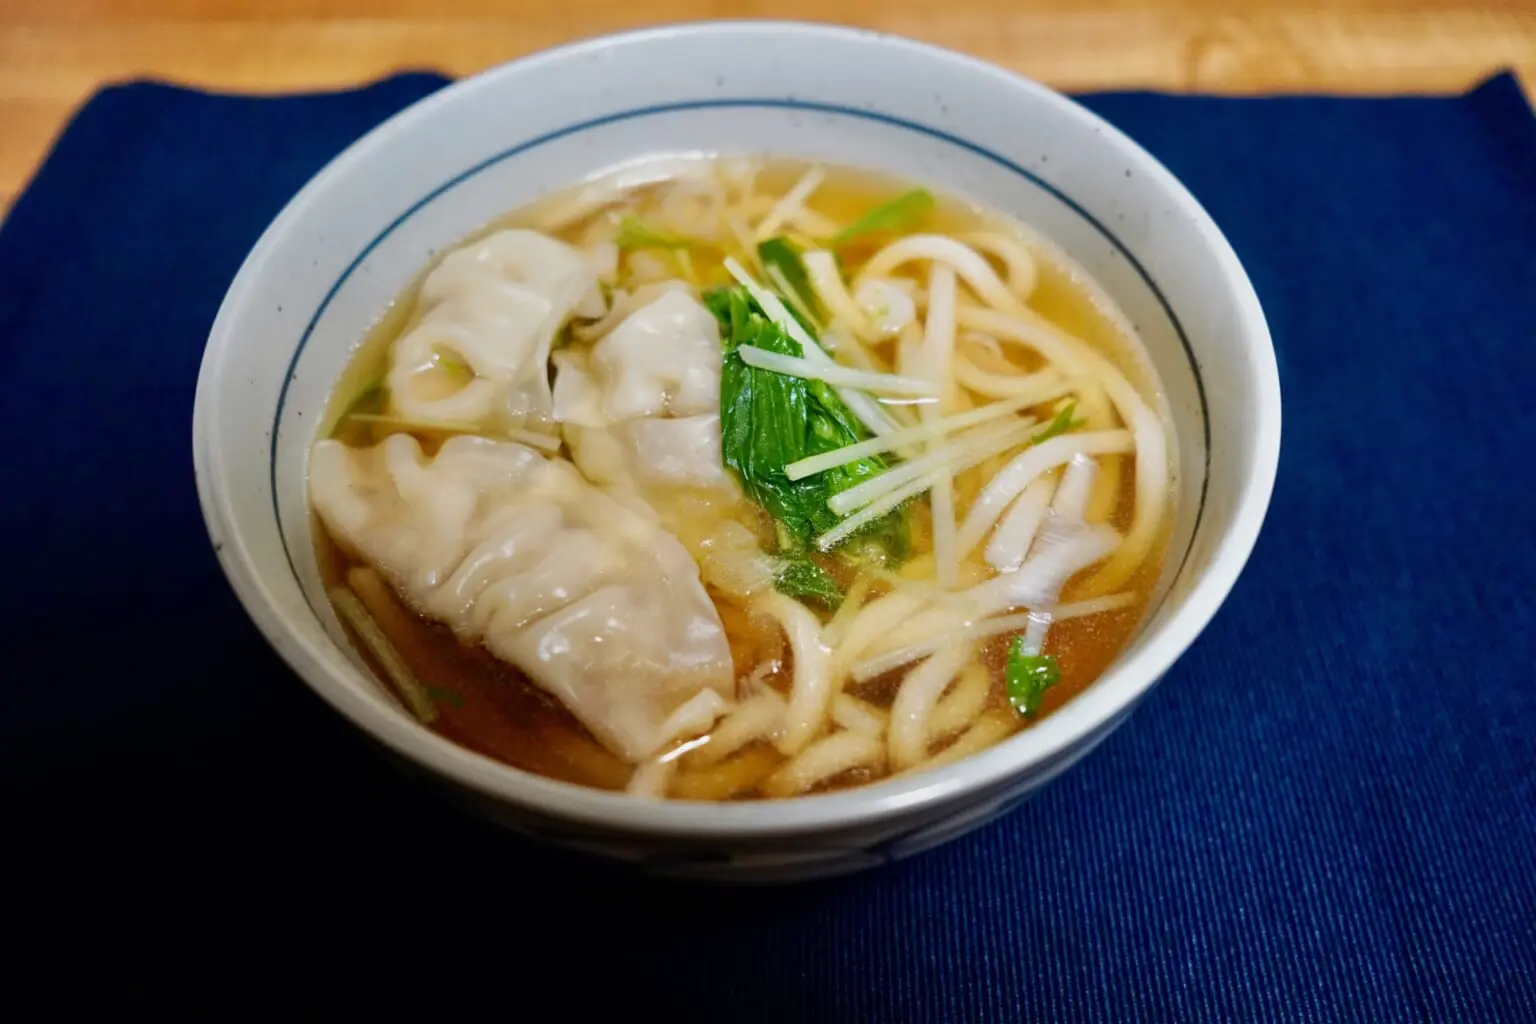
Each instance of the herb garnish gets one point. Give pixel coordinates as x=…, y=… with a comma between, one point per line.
x=896, y=215
x=1029, y=676
x=636, y=234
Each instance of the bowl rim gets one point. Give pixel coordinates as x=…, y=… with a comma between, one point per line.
x=1103, y=703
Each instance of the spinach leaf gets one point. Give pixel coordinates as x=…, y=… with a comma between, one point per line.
x=768, y=420
x=802, y=578
x=1029, y=676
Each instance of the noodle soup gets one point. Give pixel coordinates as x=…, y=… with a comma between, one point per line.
x=733, y=478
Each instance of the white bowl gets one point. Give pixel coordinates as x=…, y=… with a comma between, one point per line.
x=354, y=237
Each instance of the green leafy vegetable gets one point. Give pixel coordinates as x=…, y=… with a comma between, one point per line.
x=768, y=420
x=636, y=234
x=441, y=695
x=1029, y=676
x=782, y=264
x=897, y=215
x=1062, y=423
x=800, y=577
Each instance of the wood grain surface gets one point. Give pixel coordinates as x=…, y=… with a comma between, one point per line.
x=55, y=53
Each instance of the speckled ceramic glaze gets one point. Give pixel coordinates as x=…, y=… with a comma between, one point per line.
x=355, y=236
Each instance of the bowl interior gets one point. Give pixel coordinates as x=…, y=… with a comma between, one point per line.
x=356, y=236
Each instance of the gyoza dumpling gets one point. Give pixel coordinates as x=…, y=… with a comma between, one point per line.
x=661, y=360
x=683, y=452
x=480, y=351
x=642, y=405
x=593, y=601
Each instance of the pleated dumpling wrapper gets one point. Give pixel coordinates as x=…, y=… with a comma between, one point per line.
x=478, y=352
x=641, y=406
x=591, y=599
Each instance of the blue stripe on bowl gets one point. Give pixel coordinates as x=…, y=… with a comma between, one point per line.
x=779, y=104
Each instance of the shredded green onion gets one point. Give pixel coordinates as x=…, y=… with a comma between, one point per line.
x=899, y=214
x=1029, y=676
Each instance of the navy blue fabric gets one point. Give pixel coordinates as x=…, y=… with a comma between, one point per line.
x=1327, y=811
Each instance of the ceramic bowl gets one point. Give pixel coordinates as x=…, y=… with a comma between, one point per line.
x=347, y=244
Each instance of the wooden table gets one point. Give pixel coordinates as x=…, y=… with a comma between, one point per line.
x=55, y=53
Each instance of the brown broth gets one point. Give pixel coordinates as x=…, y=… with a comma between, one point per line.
x=489, y=706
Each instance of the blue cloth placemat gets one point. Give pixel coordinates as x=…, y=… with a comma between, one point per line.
x=1327, y=811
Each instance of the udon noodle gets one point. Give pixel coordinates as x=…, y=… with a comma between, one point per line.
x=729, y=478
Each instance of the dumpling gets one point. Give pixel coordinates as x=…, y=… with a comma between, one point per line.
x=662, y=359
x=595, y=602
x=480, y=351
x=642, y=405
x=683, y=452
